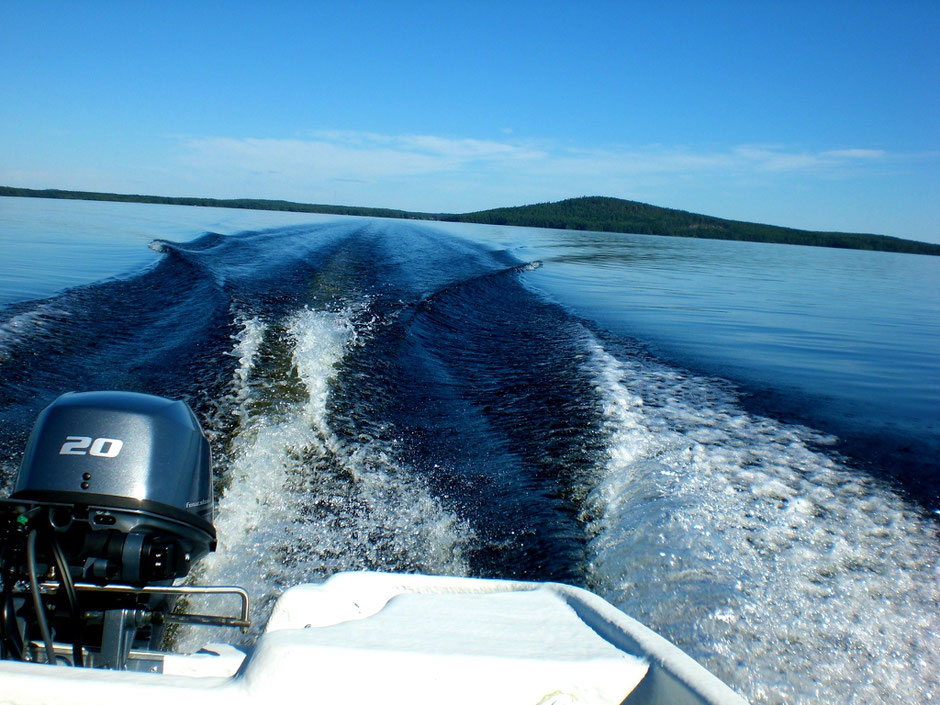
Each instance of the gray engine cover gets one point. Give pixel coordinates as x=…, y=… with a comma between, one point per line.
x=91, y=446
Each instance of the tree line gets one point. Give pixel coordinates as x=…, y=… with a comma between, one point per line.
x=595, y=213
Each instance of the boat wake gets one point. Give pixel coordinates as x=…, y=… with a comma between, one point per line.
x=298, y=502
x=384, y=396
x=740, y=538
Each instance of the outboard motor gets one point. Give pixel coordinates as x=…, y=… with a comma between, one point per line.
x=113, y=501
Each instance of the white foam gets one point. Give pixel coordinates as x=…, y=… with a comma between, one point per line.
x=300, y=503
x=246, y=349
x=792, y=577
x=22, y=326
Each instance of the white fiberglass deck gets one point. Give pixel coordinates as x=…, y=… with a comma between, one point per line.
x=372, y=637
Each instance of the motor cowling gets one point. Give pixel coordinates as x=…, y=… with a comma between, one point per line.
x=124, y=481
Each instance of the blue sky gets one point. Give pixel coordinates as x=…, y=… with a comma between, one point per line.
x=821, y=115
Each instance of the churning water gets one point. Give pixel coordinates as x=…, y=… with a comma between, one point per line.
x=501, y=402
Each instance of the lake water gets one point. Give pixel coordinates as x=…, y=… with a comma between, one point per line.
x=848, y=341
x=736, y=443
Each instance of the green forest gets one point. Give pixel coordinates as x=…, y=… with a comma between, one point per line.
x=617, y=215
x=595, y=213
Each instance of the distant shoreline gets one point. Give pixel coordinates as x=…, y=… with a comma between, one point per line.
x=593, y=213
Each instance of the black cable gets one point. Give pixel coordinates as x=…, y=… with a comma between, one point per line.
x=68, y=585
x=37, y=598
x=11, y=641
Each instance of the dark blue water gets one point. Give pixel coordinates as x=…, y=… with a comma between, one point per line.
x=845, y=341
x=640, y=416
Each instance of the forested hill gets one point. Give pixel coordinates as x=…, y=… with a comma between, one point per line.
x=588, y=213
x=617, y=215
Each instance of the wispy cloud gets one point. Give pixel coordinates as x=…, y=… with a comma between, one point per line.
x=449, y=148
x=779, y=158
x=422, y=171
x=855, y=154
x=353, y=155
x=362, y=155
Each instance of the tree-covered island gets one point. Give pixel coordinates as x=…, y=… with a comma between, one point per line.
x=594, y=213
